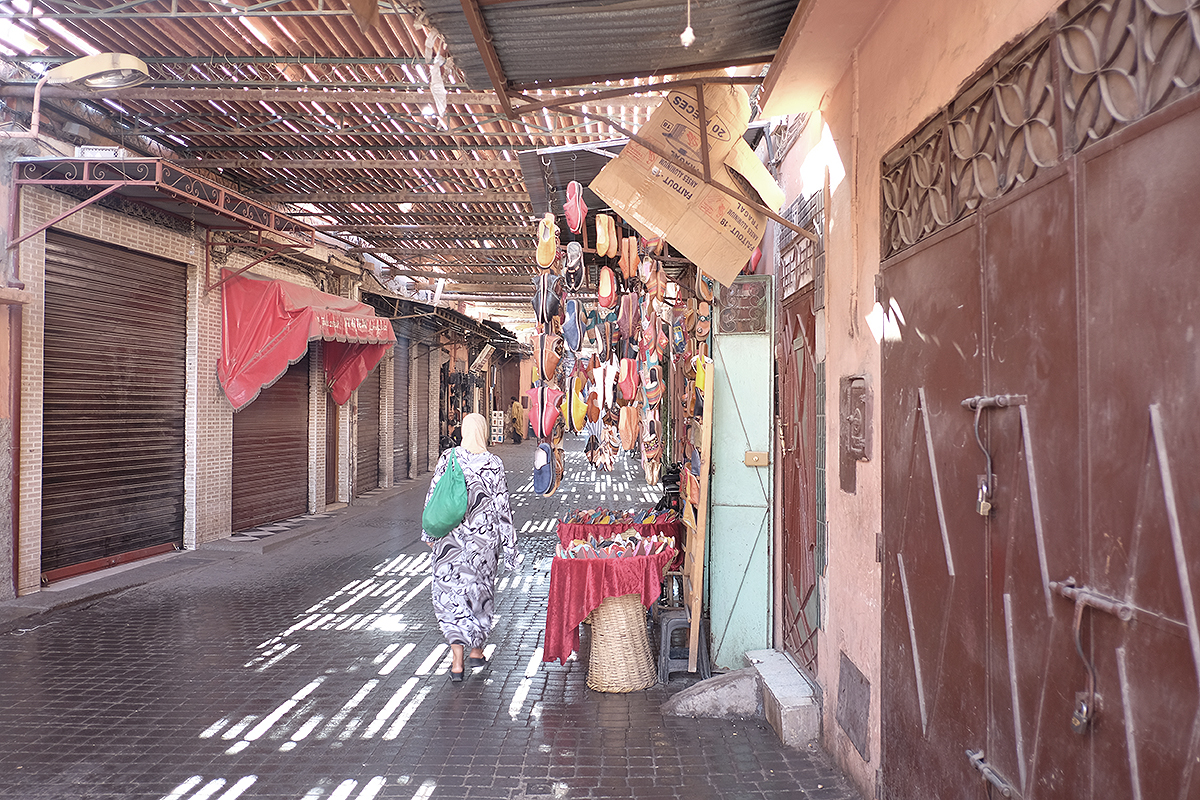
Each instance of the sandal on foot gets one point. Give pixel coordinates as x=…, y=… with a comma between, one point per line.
x=472, y=661
x=456, y=677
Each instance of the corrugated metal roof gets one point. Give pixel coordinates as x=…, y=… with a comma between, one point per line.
x=296, y=105
x=538, y=41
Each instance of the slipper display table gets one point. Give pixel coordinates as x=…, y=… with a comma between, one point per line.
x=619, y=590
x=569, y=531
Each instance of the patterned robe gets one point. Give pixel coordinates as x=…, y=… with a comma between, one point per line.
x=465, y=560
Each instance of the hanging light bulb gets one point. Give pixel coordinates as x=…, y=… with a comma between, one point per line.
x=688, y=36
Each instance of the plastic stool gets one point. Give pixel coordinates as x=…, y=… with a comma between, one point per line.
x=676, y=659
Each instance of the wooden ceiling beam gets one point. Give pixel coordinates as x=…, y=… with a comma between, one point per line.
x=491, y=61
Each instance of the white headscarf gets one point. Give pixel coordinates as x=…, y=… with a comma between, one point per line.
x=475, y=433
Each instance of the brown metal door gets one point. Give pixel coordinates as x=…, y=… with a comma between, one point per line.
x=113, y=402
x=1062, y=649
x=270, y=452
x=1140, y=218
x=934, y=571
x=366, y=473
x=400, y=448
x=798, y=433
x=1031, y=328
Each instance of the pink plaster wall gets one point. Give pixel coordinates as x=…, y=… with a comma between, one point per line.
x=910, y=64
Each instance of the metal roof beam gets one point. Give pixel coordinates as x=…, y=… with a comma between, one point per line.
x=394, y=197
x=489, y=164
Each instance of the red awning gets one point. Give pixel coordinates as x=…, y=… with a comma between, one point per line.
x=266, y=325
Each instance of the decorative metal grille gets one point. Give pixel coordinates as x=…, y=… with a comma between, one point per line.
x=1091, y=70
x=798, y=255
x=746, y=306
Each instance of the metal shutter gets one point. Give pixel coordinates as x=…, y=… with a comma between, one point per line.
x=400, y=450
x=270, y=452
x=366, y=473
x=420, y=456
x=113, y=404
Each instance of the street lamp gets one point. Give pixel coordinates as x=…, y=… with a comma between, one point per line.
x=102, y=72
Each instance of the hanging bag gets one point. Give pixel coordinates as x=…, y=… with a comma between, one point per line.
x=447, y=506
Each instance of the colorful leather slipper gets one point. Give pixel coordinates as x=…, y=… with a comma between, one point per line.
x=602, y=235
x=547, y=247
x=574, y=266
x=652, y=383
x=703, y=320
x=704, y=286
x=752, y=264
x=608, y=288
x=543, y=468
x=614, y=243
x=572, y=328
x=576, y=210
x=628, y=380
x=628, y=427
x=546, y=302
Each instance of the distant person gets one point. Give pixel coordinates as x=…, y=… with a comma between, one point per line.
x=515, y=413
x=465, y=560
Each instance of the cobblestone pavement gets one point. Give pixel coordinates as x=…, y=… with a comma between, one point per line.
x=314, y=669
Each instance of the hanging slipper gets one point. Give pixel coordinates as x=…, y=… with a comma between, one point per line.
x=543, y=468
x=628, y=262
x=575, y=209
x=678, y=336
x=703, y=320
x=614, y=243
x=572, y=327
x=628, y=380
x=652, y=383
x=646, y=267
x=547, y=247
x=593, y=408
x=547, y=304
x=573, y=268
x=752, y=264
x=549, y=353
x=689, y=315
x=628, y=427
x=608, y=288
x=628, y=318
x=704, y=286
x=602, y=235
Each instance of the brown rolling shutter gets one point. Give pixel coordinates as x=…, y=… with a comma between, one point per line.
x=270, y=452
x=113, y=404
x=400, y=448
x=420, y=455
x=366, y=473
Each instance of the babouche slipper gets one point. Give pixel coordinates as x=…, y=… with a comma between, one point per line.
x=576, y=210
x=547, y=247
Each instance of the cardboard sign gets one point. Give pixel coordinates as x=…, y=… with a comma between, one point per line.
x=714, y=231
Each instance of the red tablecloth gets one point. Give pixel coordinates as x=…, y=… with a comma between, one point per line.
x=569, y=531
x=579, y=585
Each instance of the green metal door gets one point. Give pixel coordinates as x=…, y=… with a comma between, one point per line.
x=741, y=485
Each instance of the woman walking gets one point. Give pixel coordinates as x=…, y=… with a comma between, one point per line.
x=465, y=560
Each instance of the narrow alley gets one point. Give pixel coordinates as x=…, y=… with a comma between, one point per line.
x=307, y=664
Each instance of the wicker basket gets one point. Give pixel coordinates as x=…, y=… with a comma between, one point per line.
x=620, y=659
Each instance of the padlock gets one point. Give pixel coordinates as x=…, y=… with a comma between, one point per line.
x=1081, y=718
x=983, y=505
